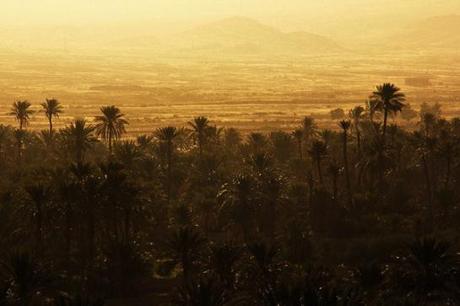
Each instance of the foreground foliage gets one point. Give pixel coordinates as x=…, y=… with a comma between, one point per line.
x=364, y=215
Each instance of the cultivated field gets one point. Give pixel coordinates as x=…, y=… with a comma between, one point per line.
x=248, y=93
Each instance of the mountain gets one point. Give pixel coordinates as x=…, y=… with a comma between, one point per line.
x=246, y=36
x=441, y=32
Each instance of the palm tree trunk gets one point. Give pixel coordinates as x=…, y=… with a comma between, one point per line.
x=318, y=166
x=169, y=153
x=347, y=173
x=68, y=231
x=127, y=224
x=299, y=147
x=385, y=119
x=334, y=186
x=448, y=169
x=429, y=194
x=50, y=119
x=39, y=229
x=110, y=143
x=358, y=141
x=200, y=145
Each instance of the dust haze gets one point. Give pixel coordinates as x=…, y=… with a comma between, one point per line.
x=250, y=64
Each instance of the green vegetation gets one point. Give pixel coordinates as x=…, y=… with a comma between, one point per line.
x=363, y=215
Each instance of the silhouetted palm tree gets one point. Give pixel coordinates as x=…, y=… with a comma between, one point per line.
x=389, y=99
x=356, y=115
x=447, y=149
x=38, y=194
x=184, y=245
x=298, y=136
x=257, y=142
x=200, y=126
x=21, y=111
x=334, y=170
x=326, y=135
x=167, y=137
x=223, y=260
x=26, y=277
x=79, y=138
x=111, y=125
x=428, y=272
x=52, y=108
x=19, y=136
x=317, y=151
x=345, y=125
x=309, y=128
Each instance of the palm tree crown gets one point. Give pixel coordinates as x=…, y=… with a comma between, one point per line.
x=52, y=108
x=21, y=110
x=389, y=98
x=79, y=137
x=111, y=125
x=200, y=126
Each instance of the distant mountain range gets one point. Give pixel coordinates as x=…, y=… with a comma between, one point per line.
x=235, y=36
x=441, y=32
x=240, y=35
x=231, y=37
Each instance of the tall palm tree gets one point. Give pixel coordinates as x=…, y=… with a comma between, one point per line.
x=257, y=142
x=38, y=194
x=19, y=136
x=356, y=115
x=184, y=245
x=52, y=108
x=345, y=125
x=389, y=99
x=334, y=171
x=200, y=126
x=79, y=138
x=326, y=135
x=167, y=136
x=21, y=111
x=298, y=135
x=317, y=151
x=111, y=125
x=309, y=128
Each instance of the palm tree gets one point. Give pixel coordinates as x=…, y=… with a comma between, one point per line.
x=52, y=108
x=111, y=125
x=19, y=136
x=356, y=115
x=326, y=135
x=257, y=142
x=184, y=246
x=334, y=171
x=345, y=125
x=79, y=138
x=200, y=126
x=38, y=194
x=309, y=128
x=223, y=259
x=21, y=111
x=298, y=135
x=389, y=99
x=167, y=136
x=27, y=277
x=447, y=150
x=317, y=151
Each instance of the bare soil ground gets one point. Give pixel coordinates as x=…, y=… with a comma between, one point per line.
x=250, y=93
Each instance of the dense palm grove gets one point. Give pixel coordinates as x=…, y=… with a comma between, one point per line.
x=366, y=214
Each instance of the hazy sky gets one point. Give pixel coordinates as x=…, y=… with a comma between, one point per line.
x=89, y=11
